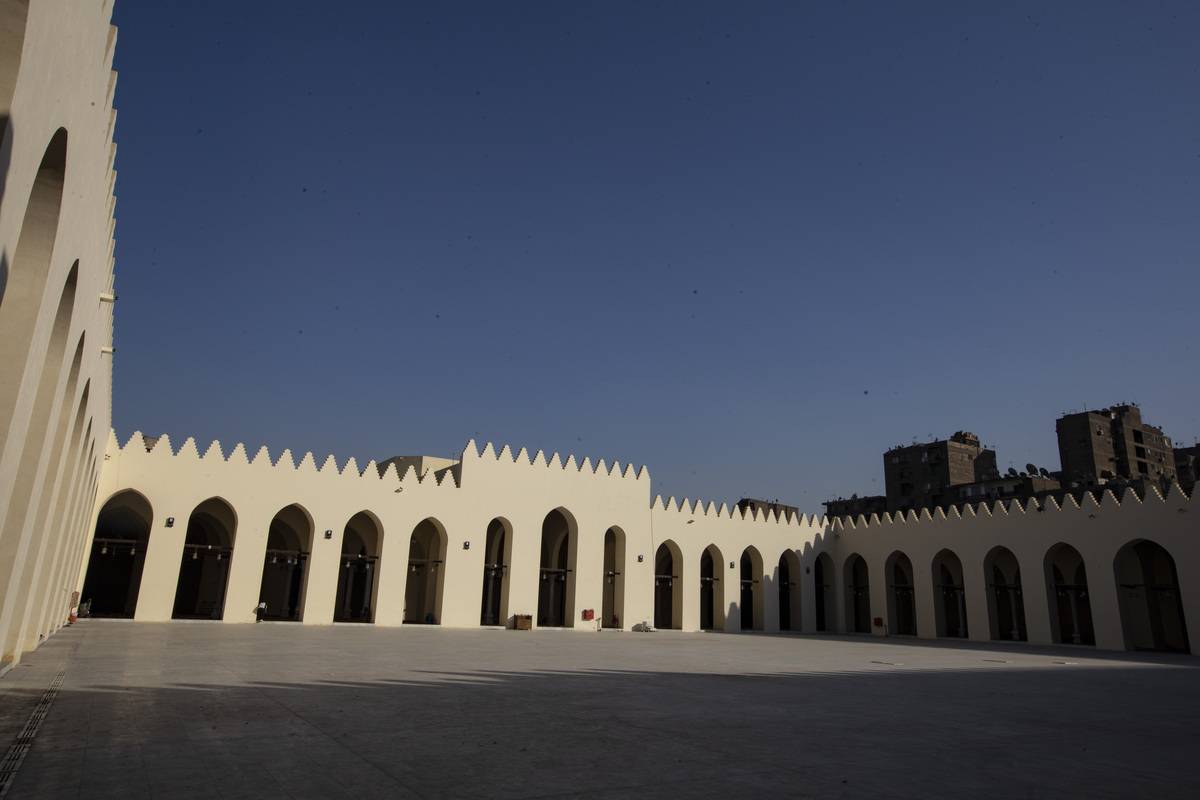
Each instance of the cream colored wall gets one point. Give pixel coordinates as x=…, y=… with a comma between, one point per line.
x=502, y=485
x=49, y=462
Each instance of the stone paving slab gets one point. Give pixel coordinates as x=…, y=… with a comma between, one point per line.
x=288, y=711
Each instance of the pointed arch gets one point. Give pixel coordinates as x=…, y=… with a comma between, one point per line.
x=858, y=594
x=497, y=555
x=556, y=573
x=1149, y=598
x=902, y=609
x=284, y=584
x=114, y=573
x=788, y=580
x=1070, y=604
x=950, y=603
x=1005, y=599
x=613, y=600
x=823, y=584
x=712, y=589
x=751, y=598
x=668, y=586
x=426, y=573
x=207, y=554
x=358, y=569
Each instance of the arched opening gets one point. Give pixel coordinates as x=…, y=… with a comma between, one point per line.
x=858, y=595
x=207, y=553
x=612, y=606
x=426, y=576
x=951, y=606
x=668, y=588
x=281, y=594
x=712, y=593
x=1149, y=598
x=822, y=579
x=358, y=569
x=13, y=14
x=1071, y=610
x=902, y=606
x=556, y=577
x=1006, y=606
x=118, y=553
x=497, y=552
x=789, y=591
x=750, y=574
x=23, y=282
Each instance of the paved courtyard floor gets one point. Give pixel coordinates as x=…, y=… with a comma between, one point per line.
x=264, y=711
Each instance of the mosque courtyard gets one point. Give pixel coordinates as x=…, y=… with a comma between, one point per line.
x=352, y=711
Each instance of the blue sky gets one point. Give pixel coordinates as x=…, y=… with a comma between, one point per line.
x=750, y=245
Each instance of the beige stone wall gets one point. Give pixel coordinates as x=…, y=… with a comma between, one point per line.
x=522, y=490
x=56, y=240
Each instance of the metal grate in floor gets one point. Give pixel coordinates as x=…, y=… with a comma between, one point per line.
x=24, y=740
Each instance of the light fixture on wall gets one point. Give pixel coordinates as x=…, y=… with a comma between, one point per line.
x=731, y=565
x=170, y=522
x=640, y=558
x=466, y=545
x=328, y=534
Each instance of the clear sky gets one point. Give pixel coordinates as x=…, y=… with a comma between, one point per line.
x=751, y=245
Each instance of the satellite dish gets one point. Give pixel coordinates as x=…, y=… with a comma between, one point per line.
x=1045, y=473
x=1031, y=469
x=1012, y=473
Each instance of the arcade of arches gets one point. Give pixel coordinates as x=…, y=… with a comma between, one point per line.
x=1144, y=573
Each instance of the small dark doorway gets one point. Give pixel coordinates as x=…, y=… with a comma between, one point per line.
x=358, y=570
x=858, y=596
x=285, y=568
x=495, y=571
x=207, y=553
x=556, y=579
x=785, y=595
x=750, y=574
x=114, y=573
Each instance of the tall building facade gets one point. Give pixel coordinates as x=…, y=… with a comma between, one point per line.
x=1114, y=442
x=924, y=475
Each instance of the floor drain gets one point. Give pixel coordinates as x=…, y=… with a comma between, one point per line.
x=1071, y=663
x=997, y=660
x=889, y=663
x=24, y=740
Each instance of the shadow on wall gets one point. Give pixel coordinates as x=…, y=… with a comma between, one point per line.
x=340, y=737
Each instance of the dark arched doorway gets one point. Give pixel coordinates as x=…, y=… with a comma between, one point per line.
x=712, y=595
x=1006, y=605
x=493, y=608
x=858, y=595
x=789, y=591
x=1149, y=598
x=118, y=553
x=668, y=588
x=950, y=607
x=750, y=573
x=358, y=569
x=556, y=577
x=285, y=568
x=426, y=576
x=822, y=580
x=207, y=553
x=902, y=607
x=1071, y=606
x=612, y=605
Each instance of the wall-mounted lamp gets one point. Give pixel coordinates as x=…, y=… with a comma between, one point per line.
x=690, y=521
x=808, y=570
x=731, y=565
x=641, y=558
x=107, y=350
x=466, y=545
x=108, y=297
x=328, y=534
x=170, y=522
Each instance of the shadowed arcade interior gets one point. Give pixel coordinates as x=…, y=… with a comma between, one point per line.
x=285, y=567
x=207, y=554
x=426, y=574
x=556, y=576
x=358, y=569
x=114, y=572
